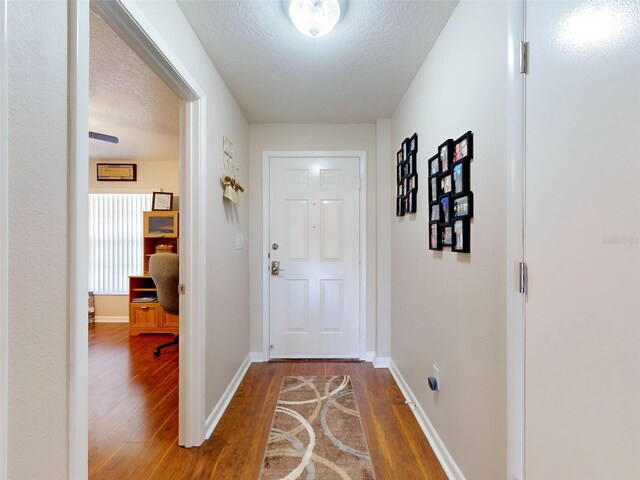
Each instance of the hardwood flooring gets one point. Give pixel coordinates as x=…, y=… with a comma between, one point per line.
x=133, y=411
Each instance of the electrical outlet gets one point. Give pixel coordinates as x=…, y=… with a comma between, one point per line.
x=436, y=374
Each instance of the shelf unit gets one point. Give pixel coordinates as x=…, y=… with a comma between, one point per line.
x=160, y=230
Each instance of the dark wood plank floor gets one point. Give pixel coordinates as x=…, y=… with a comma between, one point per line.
x=133, y=411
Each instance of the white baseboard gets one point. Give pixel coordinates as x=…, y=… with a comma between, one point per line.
x=111, y=319
x=258, y=357
x=381, y=362
x=218, y=410
x=446, y=460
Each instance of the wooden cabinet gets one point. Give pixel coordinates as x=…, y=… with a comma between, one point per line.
x=145, y=314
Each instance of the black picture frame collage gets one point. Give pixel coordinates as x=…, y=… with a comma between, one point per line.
x=450, y=195
x=407, y=177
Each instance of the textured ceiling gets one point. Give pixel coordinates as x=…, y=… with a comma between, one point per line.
x=128, y=100
x=356, y=73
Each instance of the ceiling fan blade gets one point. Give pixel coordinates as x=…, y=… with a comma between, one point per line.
x=103, y=137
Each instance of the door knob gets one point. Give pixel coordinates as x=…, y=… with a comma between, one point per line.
x=275, y=268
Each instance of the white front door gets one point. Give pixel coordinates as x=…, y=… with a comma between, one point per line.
x=583, y=241
x=314, y=235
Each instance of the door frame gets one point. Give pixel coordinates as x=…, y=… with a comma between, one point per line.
x=4, y=237
x=126, y=19
x=361, y=155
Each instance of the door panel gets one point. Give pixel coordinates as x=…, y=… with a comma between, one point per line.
x=314, y=220
x=582, y=419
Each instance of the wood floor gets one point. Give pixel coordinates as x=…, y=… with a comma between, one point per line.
x=133, y=411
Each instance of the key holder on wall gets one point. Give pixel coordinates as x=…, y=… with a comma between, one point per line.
x=230, y=184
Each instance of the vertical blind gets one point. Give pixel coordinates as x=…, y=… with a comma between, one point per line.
x=115, y=240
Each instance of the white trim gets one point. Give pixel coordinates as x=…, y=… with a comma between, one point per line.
x=4, y=236
x=78, y=237
x=369, y=357
x=257, y=357
x=381, y=362
x=111, y=319
x=362, y=157
x=438, y=446
x=128, y=21
x=515, y=253
x=217, y=412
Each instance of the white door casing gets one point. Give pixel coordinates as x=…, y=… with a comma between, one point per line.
x=314, y=306
x=582, y=240
x=4, y=229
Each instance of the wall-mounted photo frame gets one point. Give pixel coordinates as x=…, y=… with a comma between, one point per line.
x=463, y=205
x=411, y=162
x=399, y=157
x=461, y=236
x=445, y=184
x=434, y=165
x=117, y=172
x=413, y=143
x=445, y=210
x=460, y=177
x=405, y=169
x=413, y=182
x=400, y=207
x=412, y=201
x=434, y=189
x=447, y=236
x=463, y=148
x=162, y=202
x=405, y=149
x=435, y=239
x=434, y=214
x=444, y=154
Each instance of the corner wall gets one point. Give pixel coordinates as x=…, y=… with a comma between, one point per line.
x=324, y=137
x=449, y=309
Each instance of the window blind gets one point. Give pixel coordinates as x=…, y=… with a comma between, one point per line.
x=115, y=240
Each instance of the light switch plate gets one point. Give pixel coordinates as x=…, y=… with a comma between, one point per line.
x=239, y=241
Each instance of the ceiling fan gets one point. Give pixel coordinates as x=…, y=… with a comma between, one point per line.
x=103, y=137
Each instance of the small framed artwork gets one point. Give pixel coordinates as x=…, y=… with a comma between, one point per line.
x=434, y=189
x=405, y=169
x=435, y=213
x=399, y=190
x=444, y=153
x=435, y=239
x=405, y=182
x=405, y=149
x=445, y=184
x=413, y=182
x=117, y=172
x=411, y=161
x=434, y=165
x=400, y=207
x=463, y=148
x=413, y=143
x=463, y=205
x=445, y=210
x=162, y=201
x=461, y=240
x=460, y=174
x=399, y=157
x=412, y=205
x=447, y=237
x=399, y=174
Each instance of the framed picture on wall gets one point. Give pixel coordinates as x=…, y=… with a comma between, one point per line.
x=405, y=149
x=460, y=177
x=445, y=210
x=411, y=161
x=400, y=207
x=435, y=239
x=413, y=143
x=463, y=148
x=434, y=189
x=434, y=214
x=413, y=182
x=434, y=165
x=399, y=157
x=463, y=205
x=412, y=204
x=445, y=184
x=461, y=236
x=444, y=153
x=447, y=237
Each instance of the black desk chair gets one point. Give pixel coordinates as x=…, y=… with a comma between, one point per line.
x=164, y=270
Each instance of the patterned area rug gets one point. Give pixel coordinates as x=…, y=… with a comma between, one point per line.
x=316, y=433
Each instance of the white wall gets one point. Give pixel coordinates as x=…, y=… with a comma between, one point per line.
x=38, y=269
x=448, y=309
x=309, y=137
x=227, y=283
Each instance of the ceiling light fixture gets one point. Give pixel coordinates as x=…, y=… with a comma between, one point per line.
x=314, y=18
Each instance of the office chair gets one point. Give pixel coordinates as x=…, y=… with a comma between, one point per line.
x=164, y=271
